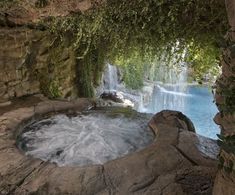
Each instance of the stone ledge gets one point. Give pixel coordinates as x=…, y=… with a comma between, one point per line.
x=170, y=165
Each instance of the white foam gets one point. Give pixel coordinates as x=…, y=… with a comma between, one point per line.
x=86, y=139
x=162, y=89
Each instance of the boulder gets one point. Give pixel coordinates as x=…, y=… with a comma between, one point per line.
x=112, y=95
x=173, y=119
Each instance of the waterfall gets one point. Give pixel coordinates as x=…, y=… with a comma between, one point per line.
x=173, y=92
x=110, y=78
x=170, y=89
x=167, y=89
x=111, y=84
x=168, y=92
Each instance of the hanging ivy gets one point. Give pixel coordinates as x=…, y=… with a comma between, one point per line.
x=7, y=3
x=227, y=143
x=148, y=30
x=41, y=3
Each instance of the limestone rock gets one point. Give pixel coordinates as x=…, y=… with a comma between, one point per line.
x=225, y=96
x=172, y=164
x=173, y=119
x=112, y=95
x=27, y=12
x=224, y=184
x=25, y=70
x=7, y=103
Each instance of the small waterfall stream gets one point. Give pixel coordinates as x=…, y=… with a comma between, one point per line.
x=110, y=78
x=170, y=91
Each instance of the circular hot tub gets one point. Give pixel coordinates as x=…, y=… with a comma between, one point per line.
x=87, y=138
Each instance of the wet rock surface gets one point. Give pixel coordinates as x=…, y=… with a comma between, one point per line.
x=112, y=95
x=113, y=98
x=172, y=164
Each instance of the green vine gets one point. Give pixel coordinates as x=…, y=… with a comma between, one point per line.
x=4, y=4
x=148, y=30
x=228, y=167
x=84, y=79
x=41, y=3
x=225, y=87
x=227, y=143
x=228, y=106
x=49, y=87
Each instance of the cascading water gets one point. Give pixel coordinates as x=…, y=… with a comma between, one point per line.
x=193, y=100
x=170, y=90
x=110, y=78
x=111, y=85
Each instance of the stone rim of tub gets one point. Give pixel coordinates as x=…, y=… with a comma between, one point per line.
x=176, y=151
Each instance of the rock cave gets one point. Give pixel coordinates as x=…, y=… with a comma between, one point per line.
x=117, y=97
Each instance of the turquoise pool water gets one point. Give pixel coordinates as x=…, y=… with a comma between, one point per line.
x=194, y=101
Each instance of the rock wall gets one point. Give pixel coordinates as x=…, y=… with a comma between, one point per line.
x=18, y=13
x=225, y=99
x=31, y=61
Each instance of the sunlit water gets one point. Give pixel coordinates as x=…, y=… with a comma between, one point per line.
x=92, y=138
x=193, y=100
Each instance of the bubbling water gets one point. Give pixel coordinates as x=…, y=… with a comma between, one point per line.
x=86, y=139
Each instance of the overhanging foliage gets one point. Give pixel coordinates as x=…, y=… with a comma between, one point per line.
x=147, y=29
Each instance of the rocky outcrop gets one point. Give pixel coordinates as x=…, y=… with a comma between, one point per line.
x=177, y=162
x=31, y=61
x=14, y=77
x=113, y=96
x=174, y=119
x=30, y=12
x=225, y=99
